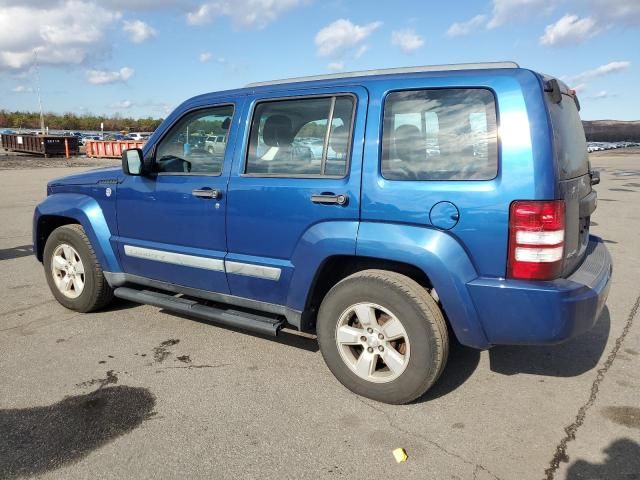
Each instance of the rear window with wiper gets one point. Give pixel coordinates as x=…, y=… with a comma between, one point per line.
x=569, y=139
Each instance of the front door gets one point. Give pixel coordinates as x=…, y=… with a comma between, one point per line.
x=171, y=223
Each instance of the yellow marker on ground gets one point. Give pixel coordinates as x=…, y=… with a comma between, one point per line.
x=400, y=455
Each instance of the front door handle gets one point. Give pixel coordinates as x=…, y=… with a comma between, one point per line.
x=206, y=193
x=330, y=199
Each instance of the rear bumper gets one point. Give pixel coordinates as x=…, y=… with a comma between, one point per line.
x=515, y=312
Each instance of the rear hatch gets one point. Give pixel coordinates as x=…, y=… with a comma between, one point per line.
x=573, y=170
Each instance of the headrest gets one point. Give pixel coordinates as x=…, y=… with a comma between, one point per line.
x=339, y=140
x=410, y=144
x=277, y=131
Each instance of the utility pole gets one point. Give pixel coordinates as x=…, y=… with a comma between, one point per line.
x=35, y=54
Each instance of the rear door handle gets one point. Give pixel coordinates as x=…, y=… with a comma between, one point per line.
x=330, y=199
x=206, y=193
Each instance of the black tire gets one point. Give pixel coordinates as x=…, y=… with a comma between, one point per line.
x=420, y=316
x=96, y=293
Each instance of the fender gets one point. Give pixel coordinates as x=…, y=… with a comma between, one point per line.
x=87, y=212
x=441, y=258
x=321, y=241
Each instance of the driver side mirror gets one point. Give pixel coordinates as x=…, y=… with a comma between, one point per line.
x=132, y=161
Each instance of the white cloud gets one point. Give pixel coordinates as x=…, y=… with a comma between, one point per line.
x=336, y=66
x=138, y=30
x=361, y=51
x=459, y=29
x=622, y=11
x=200, y=16
x=244, y=13
x=21, y=89
x=61, y=33
x=505, y=11
x=204, y=57
x=408, y=40
x=101, y=77
x=569, y=30
x=342, y=35
x=124, y=104
x=606, y=69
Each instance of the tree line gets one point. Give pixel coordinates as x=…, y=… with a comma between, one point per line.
x=72, y=121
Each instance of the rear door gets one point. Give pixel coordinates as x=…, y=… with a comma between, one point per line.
x=295, y=184
x=574, y=184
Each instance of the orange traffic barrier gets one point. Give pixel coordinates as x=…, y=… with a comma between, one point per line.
x=109, y=148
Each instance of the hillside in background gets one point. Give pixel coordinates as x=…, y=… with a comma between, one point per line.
x=611, y=131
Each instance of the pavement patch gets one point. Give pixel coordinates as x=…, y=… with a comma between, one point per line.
x=627, y=416
x=560, y=454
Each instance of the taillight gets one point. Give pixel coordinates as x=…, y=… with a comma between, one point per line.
x=536, y=239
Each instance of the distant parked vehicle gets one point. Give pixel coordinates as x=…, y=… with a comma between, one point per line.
x=215, y=143
x=87, y=138
x=139, y=136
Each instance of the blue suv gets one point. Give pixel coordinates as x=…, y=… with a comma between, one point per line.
x=386, y=211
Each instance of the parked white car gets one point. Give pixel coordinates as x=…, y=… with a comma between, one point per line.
x=140, y=136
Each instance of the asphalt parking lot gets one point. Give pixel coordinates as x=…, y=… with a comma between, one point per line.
x=136, y=392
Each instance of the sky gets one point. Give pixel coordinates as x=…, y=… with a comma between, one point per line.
x=143, y=57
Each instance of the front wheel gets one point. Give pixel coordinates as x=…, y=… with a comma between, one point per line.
x=73, y=272
x=383, y=336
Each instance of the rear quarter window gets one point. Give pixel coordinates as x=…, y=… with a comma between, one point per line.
x=569, y=139
x=444, y=134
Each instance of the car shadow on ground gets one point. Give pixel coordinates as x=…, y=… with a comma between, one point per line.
x=569, y=359
x=565, y=360
x=621, y=462
x=16, y=252
x=461, y=364
x=308, y=343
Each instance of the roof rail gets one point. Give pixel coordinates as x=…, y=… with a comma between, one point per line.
x=389, y=71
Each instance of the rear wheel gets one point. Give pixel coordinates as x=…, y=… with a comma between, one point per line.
x=383, y=336
x=73, y=272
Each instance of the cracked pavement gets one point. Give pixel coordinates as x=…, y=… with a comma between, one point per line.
x=210, y=402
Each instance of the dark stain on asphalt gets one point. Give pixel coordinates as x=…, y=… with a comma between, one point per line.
x=620, y=190
x=102, y=361
x=594, y=223
x=102, y=382
x=184, y=358
x=40, y=439
x=609, y=241
x=458, y=425
x=630, y=351
x=191, y=366
x=607, y=200
x=627, y=416
x=631, y=185
x=161, y=352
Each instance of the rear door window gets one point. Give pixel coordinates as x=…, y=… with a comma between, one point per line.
x=569, y=138
x=445, y=134
x=301, y=137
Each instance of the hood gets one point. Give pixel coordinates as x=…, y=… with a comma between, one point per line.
x=99, y=175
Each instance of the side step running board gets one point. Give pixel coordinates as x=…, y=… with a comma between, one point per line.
x=230, y=318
